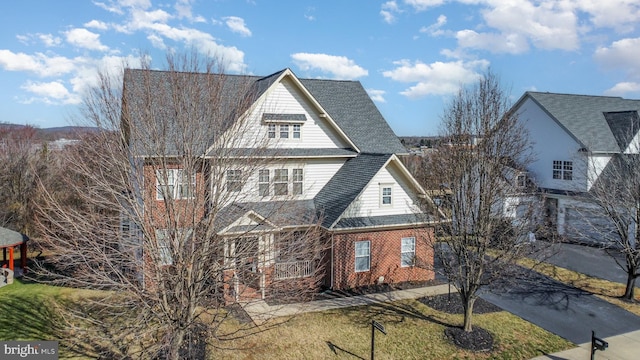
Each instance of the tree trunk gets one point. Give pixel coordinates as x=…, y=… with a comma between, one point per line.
x=631, y=285
x=468, y=313
x=177, y=338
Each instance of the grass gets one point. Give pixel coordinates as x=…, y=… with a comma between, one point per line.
x=415, y=331
x=607, y=290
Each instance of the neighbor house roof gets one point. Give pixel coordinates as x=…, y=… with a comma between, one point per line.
x=584, y=117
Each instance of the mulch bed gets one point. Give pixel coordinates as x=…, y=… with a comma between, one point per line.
x=451, y=304
x=477, y=339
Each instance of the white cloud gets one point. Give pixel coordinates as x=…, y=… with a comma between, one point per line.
x=438, y=78
x=157, y=42
x=49, y=40
x=435, y=29
x=421, y=5
x=496, y=43
x=39, y=64
x=388, y=11
x=84, y=38
x=623, y=88
x=339, y=66
x=377, y=95
x=621, y=54
x=51, y=93
x=621, y=15
x=237, y=25
x=96, y=24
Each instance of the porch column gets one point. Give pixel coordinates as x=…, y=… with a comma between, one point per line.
x=4, y=254
x=23, y=256
x=11, y=258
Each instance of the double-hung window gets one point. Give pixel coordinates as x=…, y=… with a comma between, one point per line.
x=272, y=131
x=296, y=131
x=281, y=182
x=284, y=131
x=386, y=194
x=363, y=255
x=175, y=184
x=234, y=180
x=562, y=170
x=408, y=251
x=298, y=181
x=263, y=182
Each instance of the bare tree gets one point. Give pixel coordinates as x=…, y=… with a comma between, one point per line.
x=614, y=218
x=23, y=159
x=479, y=170
x=158, y=211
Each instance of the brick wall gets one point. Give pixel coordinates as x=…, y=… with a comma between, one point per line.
x=384, y=258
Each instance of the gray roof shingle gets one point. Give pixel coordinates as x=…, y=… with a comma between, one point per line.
x=583, y=116
x=343, y=188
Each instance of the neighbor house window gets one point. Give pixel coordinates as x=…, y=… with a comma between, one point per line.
x=281, y=182
x=272, y=131
x=408, y=251
x=521, y=180
x=178, y=184
x=363, y=255
x=298, y=181
x=263, y=182
x=284, y=131
x=385, y=195
x=563, y=170
x=234, y=180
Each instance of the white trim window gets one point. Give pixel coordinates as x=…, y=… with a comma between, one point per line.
x=386, y=194
x=163, y=239
x=177, y=184
x=281, y=182
x=234, y=180
x=298, y=181
x=407, y=251
x=296, y=131
x=271, y=131
x=562, y=170
x=263, y=182
x=362, y=256
x=284, y=131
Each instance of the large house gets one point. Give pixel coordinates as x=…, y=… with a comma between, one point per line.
x=576, y=138
x=332, y=158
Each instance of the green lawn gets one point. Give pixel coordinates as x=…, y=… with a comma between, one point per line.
x=415, y=331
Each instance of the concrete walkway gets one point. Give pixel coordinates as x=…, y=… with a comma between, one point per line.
x=260, y=311
x=621, y=347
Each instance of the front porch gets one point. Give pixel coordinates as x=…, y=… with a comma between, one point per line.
x=263, y=266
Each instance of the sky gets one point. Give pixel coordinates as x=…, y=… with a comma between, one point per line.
x=411, y=56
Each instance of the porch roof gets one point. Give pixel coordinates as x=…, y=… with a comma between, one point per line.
x=10, y=238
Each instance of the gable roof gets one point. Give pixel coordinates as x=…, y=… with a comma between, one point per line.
x=583, y=117
x=346, y=102
x=343, y=188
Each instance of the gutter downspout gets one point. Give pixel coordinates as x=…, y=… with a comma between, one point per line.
x=332, y=254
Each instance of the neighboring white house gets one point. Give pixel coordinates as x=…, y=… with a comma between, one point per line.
x=575, y=137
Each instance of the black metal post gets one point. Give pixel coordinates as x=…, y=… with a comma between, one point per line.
x=373, y=336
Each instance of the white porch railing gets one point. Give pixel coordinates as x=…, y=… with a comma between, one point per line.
x=293, y=269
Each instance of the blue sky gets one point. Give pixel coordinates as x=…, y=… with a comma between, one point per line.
x=410, y=55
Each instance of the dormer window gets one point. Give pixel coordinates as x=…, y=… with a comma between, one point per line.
x=284, y=126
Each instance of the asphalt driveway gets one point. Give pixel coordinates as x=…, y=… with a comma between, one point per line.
x=562, y=309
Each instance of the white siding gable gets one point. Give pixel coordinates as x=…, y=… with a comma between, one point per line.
x=369, y=202
x=286, y=98
x=551, y=143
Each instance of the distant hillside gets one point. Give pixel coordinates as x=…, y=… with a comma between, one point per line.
x=416, y=141
x=54, y=133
